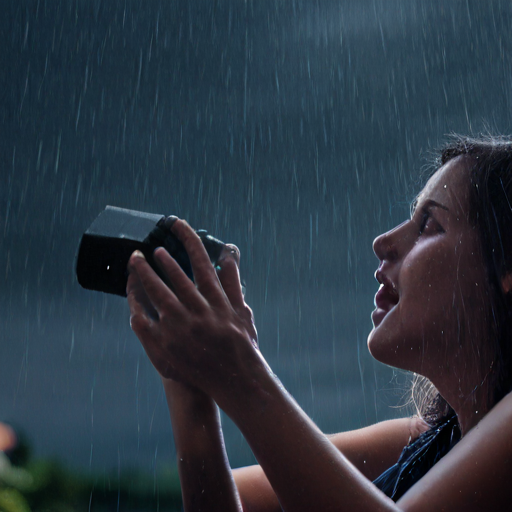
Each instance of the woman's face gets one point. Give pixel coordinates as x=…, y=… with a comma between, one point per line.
x=432, y=300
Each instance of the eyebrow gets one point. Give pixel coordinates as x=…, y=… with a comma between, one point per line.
x=428, y=204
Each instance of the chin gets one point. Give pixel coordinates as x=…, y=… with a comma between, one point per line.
x=381, y=336
x=377, y=346
x=393, y=348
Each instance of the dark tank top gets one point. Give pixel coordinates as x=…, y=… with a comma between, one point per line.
x=418, y=457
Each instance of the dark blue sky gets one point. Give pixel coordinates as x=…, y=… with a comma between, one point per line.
x=296, y=130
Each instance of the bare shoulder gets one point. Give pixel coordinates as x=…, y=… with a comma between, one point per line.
x=475, y=475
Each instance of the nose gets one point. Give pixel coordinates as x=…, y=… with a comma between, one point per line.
x=388, y=245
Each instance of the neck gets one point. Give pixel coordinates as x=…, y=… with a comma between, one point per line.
x=470, y=402
x=464, y=378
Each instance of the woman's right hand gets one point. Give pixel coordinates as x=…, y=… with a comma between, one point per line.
x=189, y=397
x=202, y=334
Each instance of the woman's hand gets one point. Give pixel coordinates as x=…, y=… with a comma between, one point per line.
x=202, y=334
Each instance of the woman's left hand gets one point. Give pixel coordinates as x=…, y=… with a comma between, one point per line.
x=202, y=334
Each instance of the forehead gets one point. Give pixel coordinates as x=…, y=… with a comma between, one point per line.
x=449, y=186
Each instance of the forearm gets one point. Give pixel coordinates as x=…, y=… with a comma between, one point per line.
x=306, y=471
x=371, y=450
x=204, y=335
x=205, y=475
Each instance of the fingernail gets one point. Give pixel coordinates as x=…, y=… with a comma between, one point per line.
x=169, y=221
x=138, y=254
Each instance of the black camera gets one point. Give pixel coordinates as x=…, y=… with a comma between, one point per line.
x=107, y=245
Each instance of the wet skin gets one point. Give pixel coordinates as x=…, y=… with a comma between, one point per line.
x=432, y=308
x=432, y=318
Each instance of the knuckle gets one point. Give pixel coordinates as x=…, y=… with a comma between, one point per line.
x=164, y=319
x=139, y=324
x=247, y=312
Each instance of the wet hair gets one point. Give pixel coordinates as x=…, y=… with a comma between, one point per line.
x=489, y=161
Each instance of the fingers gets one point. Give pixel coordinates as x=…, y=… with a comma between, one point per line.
x=229, y=276
x=138, y=301
x=160, y=296
x=183, y=287
x=233, y=251
x=155, y=296
x=204, y=273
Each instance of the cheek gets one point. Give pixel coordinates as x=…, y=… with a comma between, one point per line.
x=428, y=280
x=444, y=298
x=416, y=329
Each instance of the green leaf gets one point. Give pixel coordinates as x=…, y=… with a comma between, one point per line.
x=12, y=501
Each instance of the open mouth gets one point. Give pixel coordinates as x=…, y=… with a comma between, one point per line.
x=385, y=300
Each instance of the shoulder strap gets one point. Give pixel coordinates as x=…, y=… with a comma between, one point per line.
x=418, y=458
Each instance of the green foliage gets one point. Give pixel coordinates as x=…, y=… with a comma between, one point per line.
x=134, y=491
x=49, y=487
x=11, y=500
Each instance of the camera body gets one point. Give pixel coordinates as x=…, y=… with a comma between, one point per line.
x=107, y=245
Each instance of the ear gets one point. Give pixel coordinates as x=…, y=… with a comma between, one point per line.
x=506, y=283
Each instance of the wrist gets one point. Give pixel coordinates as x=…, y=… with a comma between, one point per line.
x=251, y=389
x=185, y=401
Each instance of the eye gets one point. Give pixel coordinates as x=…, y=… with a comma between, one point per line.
x=429, y=224
x=424, y=221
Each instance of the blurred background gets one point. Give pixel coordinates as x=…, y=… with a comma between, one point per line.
x=295, y=129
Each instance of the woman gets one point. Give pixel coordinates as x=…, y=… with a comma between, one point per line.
x=443, y=310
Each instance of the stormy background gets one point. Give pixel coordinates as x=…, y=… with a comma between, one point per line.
x=295, y=129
